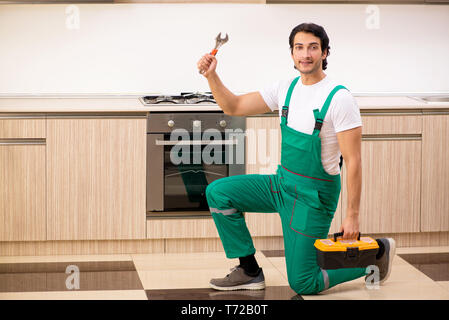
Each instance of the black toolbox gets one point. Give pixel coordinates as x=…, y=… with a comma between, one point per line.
x=337, y=254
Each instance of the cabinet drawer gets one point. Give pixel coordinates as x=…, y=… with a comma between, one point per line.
x=392, y=124
x=20, y=128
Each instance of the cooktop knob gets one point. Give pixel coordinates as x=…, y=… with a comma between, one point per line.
x=223, y=123
x=197, y=123
x=171, y=123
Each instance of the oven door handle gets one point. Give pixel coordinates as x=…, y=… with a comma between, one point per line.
x=195, y=142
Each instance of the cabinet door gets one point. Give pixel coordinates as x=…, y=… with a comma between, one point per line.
x=263, y=156
x=22, y=191
x=391, y=181
x=435, y=173
x=96, y=173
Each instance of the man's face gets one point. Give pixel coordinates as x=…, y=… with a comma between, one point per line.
x=307, y=54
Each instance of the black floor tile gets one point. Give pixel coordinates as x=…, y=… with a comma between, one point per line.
x=59, y=276
x=433, y=265
x=273, y=253
x=43, y=267
x=270, y=293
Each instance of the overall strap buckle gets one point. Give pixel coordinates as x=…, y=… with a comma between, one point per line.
x=318, y=124
x=319, y=116
x=287, y=99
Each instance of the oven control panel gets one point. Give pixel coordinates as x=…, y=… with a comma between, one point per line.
x=195, y=121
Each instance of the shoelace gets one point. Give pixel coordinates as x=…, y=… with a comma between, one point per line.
x=232, y=270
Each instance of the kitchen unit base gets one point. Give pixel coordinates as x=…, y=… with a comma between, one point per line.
x=86, y=247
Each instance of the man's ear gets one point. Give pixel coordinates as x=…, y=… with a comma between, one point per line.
x=324, y=55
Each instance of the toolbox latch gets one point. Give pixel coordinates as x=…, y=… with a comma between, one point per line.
x=352, y=252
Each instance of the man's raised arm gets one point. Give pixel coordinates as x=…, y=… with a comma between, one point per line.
x=235, y=105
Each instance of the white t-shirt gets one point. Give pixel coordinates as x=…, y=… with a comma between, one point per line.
x=343, y=113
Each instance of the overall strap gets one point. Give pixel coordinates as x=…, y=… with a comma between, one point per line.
x=284, y=115
x=319, y=116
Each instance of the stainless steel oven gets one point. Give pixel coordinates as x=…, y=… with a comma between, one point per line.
x=186, y=151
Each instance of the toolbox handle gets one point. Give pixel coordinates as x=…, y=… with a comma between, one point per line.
x=340, y=234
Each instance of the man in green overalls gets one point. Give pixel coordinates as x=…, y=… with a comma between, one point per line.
x=323, y=124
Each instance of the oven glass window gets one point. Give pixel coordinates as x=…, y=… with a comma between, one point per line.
x=187, y=172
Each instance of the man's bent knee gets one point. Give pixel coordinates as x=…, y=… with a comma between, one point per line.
x=217, y=197
x=212, y=187
x=307, y=284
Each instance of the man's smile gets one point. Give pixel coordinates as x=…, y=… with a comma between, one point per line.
x=305, y=63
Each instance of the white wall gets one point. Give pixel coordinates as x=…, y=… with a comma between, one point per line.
x=149, y=48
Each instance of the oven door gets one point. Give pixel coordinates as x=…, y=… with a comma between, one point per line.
x=180, y=171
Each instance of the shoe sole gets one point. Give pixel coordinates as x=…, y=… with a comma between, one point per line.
x=250, y=286
x=391, y=255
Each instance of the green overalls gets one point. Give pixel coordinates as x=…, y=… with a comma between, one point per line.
x=301, y=191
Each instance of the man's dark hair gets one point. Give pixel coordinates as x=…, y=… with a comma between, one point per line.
x=317, y=31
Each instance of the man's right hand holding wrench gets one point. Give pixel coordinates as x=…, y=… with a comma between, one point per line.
x=206, y=66
x=208, y=63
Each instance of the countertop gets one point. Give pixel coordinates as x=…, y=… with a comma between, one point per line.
x=19, y=104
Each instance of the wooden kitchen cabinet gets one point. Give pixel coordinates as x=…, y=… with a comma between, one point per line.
x=391, y=174
x=435, y=173
x=96, y=177
x=263, y=154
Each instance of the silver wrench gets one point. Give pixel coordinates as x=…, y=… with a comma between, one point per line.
x=219, y=41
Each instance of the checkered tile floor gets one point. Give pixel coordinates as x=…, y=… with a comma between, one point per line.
x=418, y=273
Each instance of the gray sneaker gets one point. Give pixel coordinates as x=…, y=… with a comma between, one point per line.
x=239, y=280
x=385, y=262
